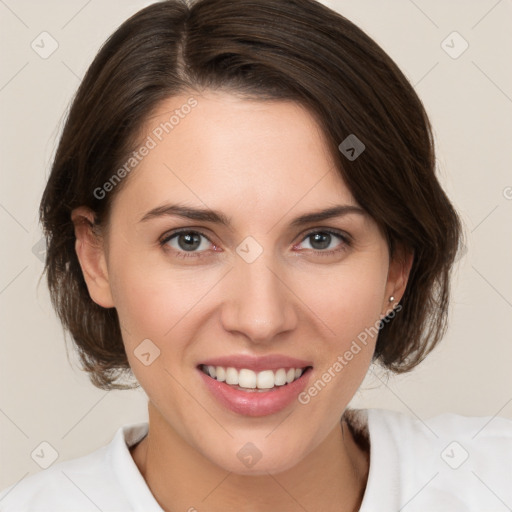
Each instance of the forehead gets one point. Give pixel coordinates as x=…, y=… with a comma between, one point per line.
x=221, y=150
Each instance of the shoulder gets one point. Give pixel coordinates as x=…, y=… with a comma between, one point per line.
x=70, y=483
x=91, y=482
x=434, y=427
x=448, y=460
x=455, y=439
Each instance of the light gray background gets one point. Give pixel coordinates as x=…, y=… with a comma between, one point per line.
x=43, y=398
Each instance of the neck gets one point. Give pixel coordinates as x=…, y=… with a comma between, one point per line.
x=331, y=478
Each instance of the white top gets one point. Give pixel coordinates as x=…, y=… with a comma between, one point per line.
x=447, y=463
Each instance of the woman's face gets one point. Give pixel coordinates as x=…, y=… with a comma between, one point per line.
x=260, y=285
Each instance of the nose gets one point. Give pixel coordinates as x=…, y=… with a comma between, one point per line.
x=257, y=301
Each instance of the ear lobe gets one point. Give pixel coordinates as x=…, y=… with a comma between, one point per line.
x=90, y=251
x=398, y=276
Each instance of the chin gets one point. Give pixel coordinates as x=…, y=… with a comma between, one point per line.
x=248, y=460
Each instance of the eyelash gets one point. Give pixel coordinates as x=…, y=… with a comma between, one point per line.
x=191, y=254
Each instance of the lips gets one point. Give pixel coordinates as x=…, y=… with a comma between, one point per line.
x=257, y=364
x=256, y=402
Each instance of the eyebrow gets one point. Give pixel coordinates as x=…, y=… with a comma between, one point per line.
x=216, y=217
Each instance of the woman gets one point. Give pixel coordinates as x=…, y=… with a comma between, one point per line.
x=243, y=215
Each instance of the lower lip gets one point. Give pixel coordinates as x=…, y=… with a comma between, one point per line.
x=256, y=403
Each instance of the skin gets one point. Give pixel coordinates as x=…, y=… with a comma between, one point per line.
x=262, y=164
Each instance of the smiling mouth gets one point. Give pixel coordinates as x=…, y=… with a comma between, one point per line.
x=247, y=380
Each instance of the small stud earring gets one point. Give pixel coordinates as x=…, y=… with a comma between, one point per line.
x=391, y=299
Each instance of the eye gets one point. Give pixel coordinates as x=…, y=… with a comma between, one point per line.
x=319, y=241
x=187, y=243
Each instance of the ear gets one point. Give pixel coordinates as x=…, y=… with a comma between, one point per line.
x=89, y=247
x=398, y=276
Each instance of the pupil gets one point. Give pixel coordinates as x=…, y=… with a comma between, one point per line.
x=322, y=239
x=192, y=241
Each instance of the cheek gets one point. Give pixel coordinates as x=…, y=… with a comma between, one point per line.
x=347, y=299
x=155, y=303
x=154, y=299
x=348, y=303
x=140, y=300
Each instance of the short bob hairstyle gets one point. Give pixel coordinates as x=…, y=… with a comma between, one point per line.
x=296, y=50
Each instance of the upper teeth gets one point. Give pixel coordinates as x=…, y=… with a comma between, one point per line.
x=245, y=378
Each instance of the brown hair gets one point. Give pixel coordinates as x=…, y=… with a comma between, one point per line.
x=298, y=50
